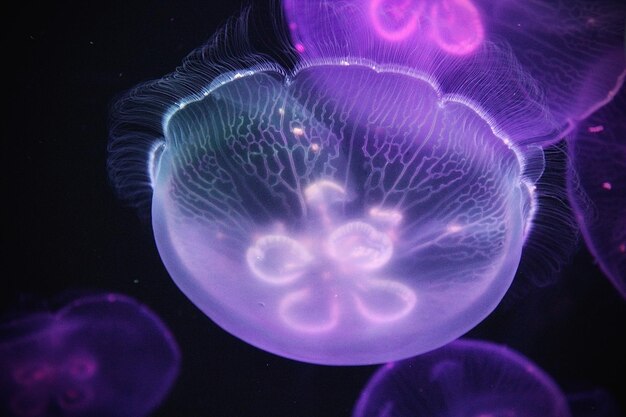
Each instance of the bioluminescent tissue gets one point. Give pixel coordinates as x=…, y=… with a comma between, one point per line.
x=99, y=356
x=463, y=378
x=366, y=194
x=597, y=187
x=566, y=55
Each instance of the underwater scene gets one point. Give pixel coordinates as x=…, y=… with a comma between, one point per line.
x=381, y=208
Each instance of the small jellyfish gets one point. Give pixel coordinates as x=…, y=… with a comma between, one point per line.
x=597, y=187
x=466, y=378
x=99, y=356
x=357, y=199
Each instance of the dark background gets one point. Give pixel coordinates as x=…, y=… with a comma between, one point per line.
x=67, y=231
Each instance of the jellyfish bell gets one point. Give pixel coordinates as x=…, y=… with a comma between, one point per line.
x=98, y=355
x=464, y=378
x=333, y=206
x=597, y=187
x=336, y=212
x=574, y=55
x=570, y=61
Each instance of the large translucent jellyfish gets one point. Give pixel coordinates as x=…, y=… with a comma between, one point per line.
x=465, y=378
x=572, y=59
x=597, y=187
x=341, y=206
x=99, y=356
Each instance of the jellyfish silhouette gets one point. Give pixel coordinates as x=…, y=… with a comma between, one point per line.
x=468, y=378
x=597, y=187
x=358, y=198
x=99, y=356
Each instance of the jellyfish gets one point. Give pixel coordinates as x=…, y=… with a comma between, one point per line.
x=99, y=355
x=597, y=187
x=466, y=378
x=350, y=197
x=573, y=61
x=572, y=53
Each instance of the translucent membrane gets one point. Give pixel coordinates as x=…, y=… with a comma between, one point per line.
x=465, y=378
x=597, y=187
x=99, y=356
x=365, y=195
x=350, y=215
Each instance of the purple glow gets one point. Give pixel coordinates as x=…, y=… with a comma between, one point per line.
x=97, y=356
x=369, y=201
x=569, y=56
x=463, y=378
x=597, y=187
x=343, y=248
x=456, y=26
x=395, y=20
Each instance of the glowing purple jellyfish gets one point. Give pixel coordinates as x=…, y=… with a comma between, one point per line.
x=365, y=201
x=465, y=378
x=99, y=356
x=597, y=187
x=571, y=59
x=571, y=53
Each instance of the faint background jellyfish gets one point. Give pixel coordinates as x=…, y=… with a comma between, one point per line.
x=98, y=356
x=573, y=52
x=471, y=378
x=597, y=187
